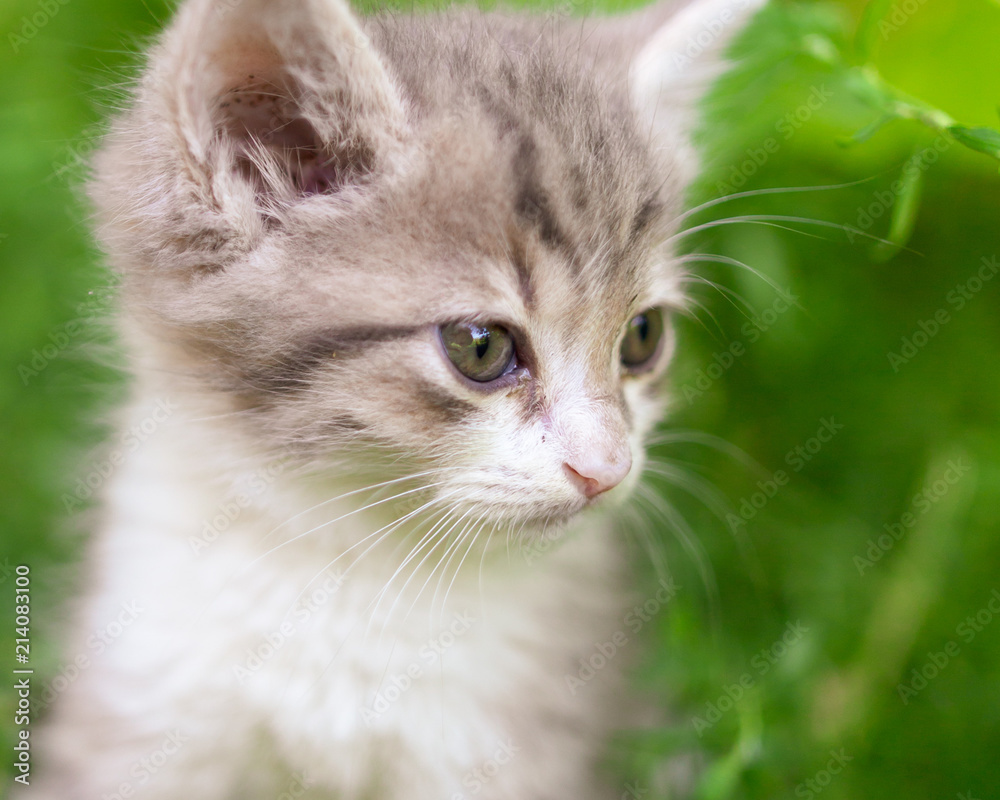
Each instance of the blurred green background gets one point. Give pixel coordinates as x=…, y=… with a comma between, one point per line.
x=804, y=654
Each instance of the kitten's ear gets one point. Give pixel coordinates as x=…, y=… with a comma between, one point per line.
x=677, y=64
x=246, y=107
x=288, y=89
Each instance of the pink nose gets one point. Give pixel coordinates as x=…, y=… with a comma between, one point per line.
x=597, y=476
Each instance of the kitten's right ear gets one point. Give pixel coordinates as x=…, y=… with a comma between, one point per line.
x=247, y=106
x=292, y=85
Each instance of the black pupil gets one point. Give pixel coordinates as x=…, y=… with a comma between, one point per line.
x=482, y=339
x=642, y=326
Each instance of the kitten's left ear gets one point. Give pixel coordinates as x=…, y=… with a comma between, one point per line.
x=678, y=63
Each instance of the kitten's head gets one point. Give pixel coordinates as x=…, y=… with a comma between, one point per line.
x=438, y=241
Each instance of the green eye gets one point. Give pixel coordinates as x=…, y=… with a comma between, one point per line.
x=642, y=341
x=480, y=352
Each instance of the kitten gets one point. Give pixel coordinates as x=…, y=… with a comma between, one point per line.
x=397, y=297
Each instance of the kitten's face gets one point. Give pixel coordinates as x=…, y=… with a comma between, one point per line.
x=432, y=249
x=434, y=318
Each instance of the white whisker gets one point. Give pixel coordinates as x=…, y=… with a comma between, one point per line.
x=385, y=531
x=772, y=220
x=343, y=517
x=733, y=262
x=480, y=523
x=441, y=539
x=372, y=608
x=680, y=528
x=354, y=492
x=761, y=192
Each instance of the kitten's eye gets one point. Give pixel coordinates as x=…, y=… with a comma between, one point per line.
x=642, y=341
x=480, y=352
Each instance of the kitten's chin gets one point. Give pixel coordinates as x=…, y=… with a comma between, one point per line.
x=546, y=533
x=542, y=521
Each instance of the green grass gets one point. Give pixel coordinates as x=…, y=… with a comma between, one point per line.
x=859, y=630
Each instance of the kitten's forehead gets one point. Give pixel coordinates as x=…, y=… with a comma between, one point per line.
x=483, y=234
x=529, y=143
x=526, y=181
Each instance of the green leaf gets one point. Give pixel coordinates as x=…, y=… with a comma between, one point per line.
x=822, y=48
x=871, y=129
x=864, y=42
x=723, y=776
x=908, y=190
x=982, y=140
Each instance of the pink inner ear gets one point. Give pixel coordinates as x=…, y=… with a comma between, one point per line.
x=266, y=124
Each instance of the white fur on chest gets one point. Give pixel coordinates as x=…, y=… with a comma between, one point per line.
x=289, y=647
